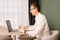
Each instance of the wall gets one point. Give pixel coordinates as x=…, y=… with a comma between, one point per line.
x=51, y=9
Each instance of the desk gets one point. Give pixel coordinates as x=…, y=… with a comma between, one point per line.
x=4, y=31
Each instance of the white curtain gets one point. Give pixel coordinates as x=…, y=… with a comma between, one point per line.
x=14, y=10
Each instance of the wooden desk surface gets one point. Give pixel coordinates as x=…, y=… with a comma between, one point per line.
x=4, y=31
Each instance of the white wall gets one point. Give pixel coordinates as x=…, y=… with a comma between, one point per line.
x=14, y=10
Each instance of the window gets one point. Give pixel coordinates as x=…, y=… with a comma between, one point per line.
x=14, y=10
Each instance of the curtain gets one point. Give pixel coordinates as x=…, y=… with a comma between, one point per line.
x=14, y=10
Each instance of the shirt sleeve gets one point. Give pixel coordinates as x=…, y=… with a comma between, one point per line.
x=31, y=28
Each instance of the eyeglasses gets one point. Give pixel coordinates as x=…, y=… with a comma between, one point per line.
x=32, y=9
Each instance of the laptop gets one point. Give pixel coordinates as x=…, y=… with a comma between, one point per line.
x=10, y=27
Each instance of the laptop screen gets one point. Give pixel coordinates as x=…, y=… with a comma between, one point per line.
x=9, y=25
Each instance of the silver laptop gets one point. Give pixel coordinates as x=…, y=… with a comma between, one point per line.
x=10, y=27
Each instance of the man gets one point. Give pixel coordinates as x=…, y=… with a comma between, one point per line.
x=40, y=25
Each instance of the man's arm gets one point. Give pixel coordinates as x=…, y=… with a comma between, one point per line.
x=30, y=28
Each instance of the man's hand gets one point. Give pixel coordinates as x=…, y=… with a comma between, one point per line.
x=26, y=31
x=21, y=29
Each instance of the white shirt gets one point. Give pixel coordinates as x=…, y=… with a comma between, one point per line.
x=40, y=23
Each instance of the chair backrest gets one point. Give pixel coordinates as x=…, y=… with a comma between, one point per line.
x=53, y=36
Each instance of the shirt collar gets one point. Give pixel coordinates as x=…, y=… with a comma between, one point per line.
x=37, y=16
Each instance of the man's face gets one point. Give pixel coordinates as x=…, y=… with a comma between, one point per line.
x=33, y=10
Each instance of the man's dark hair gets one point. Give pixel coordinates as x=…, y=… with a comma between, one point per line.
x=36, y=6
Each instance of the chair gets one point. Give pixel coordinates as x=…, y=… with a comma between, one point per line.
x=53, y=36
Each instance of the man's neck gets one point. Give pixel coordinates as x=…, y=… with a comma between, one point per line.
x=36, y=13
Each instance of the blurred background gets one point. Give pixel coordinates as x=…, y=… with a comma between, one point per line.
x=14, y=10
